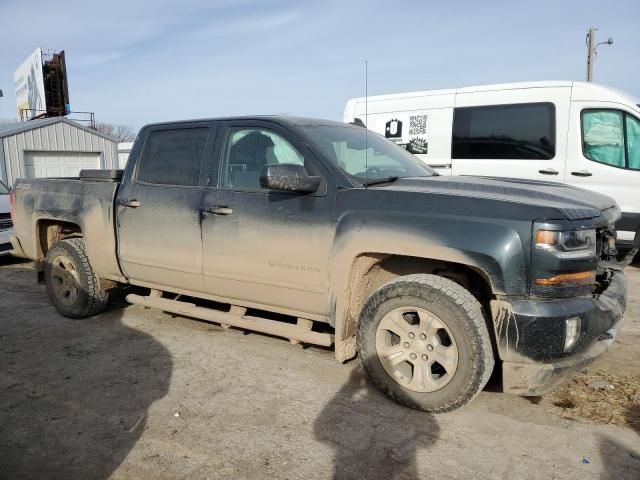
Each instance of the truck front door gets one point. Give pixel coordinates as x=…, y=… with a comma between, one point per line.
x=158, y=211
x=262, y=246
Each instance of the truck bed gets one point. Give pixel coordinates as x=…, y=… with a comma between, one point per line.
x=85, y=204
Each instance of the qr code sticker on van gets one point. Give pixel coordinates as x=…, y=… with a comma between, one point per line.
x=417, y=124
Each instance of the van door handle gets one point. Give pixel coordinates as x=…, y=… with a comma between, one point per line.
x=549, y=171
x=218, y=210
x=133, y=203
x=582, y=173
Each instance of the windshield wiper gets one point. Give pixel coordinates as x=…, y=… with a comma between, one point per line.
x=390, y=179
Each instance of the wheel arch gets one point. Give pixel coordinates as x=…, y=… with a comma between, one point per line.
x=371, y=270
x=50, y=231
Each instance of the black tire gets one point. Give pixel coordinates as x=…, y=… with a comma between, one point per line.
x=465, y=319
x=72, y=285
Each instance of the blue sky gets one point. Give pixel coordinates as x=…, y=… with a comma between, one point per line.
x=135, y=62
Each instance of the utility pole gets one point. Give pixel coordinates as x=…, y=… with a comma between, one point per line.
x=592, y=51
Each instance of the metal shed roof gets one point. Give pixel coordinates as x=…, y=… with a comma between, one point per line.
x=9, y=129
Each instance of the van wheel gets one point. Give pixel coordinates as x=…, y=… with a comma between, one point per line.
x=424, y=341
x=72, y=285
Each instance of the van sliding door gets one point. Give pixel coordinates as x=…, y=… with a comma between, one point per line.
x=518, y=140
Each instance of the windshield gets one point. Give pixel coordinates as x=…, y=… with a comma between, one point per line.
x=345, y=146
x=3, y=189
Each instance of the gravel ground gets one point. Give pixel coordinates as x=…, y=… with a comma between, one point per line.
x=136, y=393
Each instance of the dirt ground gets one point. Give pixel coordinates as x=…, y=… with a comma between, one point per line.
x=140, y=394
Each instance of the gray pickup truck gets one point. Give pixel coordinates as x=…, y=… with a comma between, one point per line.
x=326, y=234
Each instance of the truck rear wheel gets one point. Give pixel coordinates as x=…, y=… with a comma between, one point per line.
x=424, y=341
x=72, y=285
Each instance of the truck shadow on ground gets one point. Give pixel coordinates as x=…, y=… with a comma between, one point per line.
x=74, y=394
x=372, y=436
x=619, y=461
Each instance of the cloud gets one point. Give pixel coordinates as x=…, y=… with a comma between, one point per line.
x=136, y=61
x=90, y=60
x=250, y=25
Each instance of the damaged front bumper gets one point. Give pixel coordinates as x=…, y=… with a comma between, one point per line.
x=531, y=336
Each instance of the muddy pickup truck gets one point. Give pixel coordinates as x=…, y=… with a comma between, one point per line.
x=323, y=233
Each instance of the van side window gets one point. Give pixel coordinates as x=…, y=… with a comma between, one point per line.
x=611, y=137
x=525, y=131
x=173, y=157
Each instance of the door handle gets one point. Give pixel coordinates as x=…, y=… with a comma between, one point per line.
x=582, y=173
x=133, y=203
x=218, y=210
x=549, y=171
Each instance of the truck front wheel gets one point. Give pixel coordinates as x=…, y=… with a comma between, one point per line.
x=72, y=285
x=424, y=341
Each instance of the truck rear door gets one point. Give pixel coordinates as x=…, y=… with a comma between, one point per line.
x=158, y=209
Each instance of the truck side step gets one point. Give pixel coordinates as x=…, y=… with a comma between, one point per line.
x=237, y=318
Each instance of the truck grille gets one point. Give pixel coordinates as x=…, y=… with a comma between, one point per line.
x=5, y=221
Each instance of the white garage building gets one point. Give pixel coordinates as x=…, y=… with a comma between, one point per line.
x=52, y=147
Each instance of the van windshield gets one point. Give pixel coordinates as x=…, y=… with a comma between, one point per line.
x=345, y=146
x=3, y=189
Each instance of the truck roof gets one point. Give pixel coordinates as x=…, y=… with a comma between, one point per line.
x=281, y=119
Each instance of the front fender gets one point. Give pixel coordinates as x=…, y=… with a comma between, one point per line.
x=493, y=247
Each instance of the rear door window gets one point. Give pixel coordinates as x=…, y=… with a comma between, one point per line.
x=524, y=131
x=173, y=157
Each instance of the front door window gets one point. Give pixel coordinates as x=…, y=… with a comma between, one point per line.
x=633, y=142
x=248, y=151
x=611, y=137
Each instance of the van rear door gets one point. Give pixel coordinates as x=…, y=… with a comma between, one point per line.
x=517, y=133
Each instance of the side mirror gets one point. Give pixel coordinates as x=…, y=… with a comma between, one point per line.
x=288, y=177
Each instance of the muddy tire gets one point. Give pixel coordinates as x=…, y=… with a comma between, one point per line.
x=424, y=341
x=72, y=285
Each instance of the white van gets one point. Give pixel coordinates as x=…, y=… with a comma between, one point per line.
x=578, y=133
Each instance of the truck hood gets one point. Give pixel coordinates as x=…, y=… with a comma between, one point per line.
x=570, y=203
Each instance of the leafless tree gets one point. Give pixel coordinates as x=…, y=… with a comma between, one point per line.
x=122, y=133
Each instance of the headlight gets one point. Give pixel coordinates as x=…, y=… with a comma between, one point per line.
x=563, y=262
x=572, y=244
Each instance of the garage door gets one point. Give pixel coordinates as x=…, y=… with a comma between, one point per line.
x=59, y=164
